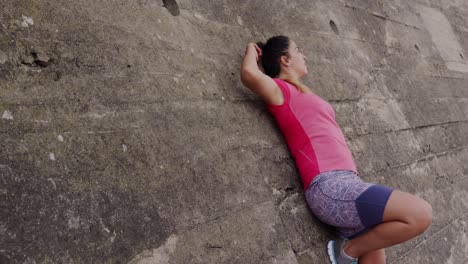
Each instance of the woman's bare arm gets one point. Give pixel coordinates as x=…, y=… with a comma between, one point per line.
x=253, y=77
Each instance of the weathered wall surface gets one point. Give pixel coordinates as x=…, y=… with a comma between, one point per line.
x=127, y=137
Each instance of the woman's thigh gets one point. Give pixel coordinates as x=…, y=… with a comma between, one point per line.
x=333, y=201
x=343, y=200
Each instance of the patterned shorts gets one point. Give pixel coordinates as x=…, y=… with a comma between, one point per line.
x=341, y=199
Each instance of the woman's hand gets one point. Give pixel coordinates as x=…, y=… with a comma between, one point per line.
x=251, y=61
x=254, y=47
x=258, y=50
x=258, y=54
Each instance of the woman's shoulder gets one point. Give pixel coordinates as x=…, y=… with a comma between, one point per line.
x=283, y=84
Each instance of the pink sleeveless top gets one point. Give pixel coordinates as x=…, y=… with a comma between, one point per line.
x=314, y=139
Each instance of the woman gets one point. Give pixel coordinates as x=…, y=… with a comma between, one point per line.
x=369, y=217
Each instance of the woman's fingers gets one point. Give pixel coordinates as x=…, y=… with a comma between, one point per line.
x=258, y=49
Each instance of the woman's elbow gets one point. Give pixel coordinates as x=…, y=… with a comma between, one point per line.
x=246, y=76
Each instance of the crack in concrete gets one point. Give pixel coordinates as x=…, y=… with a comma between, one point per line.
x=226, y=213
x=383, y=17
x=287, y=238
x=354, y=39
x=288, y=195
x=406, y=129
x=457, y=180
x=54, y=103
x=426, y=158
x=428, y=238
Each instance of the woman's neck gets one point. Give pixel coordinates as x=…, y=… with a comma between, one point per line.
x=296, y=82
x=288, y=76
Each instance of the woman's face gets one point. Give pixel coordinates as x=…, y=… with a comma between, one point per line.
x=297, y=60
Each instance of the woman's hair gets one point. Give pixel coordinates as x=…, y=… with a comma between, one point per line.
x=272, y=50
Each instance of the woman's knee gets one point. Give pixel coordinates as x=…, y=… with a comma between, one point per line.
x=422, y=217
x=408, y=208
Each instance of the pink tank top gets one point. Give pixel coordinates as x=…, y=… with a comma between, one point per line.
x=314, y=139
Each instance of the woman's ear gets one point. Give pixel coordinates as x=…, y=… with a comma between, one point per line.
x=285, y=60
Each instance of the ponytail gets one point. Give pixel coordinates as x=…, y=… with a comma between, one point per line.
x=260, y=44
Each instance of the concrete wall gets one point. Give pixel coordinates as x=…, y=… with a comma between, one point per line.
x=127, y=137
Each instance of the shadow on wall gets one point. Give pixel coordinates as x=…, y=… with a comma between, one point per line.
x=172, y=6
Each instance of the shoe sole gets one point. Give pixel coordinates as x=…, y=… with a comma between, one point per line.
x=330, y=252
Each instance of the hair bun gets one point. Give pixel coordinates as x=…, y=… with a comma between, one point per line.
x=260, y=45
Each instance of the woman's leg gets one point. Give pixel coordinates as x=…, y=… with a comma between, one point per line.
x=373, y=257
x=405, y=217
